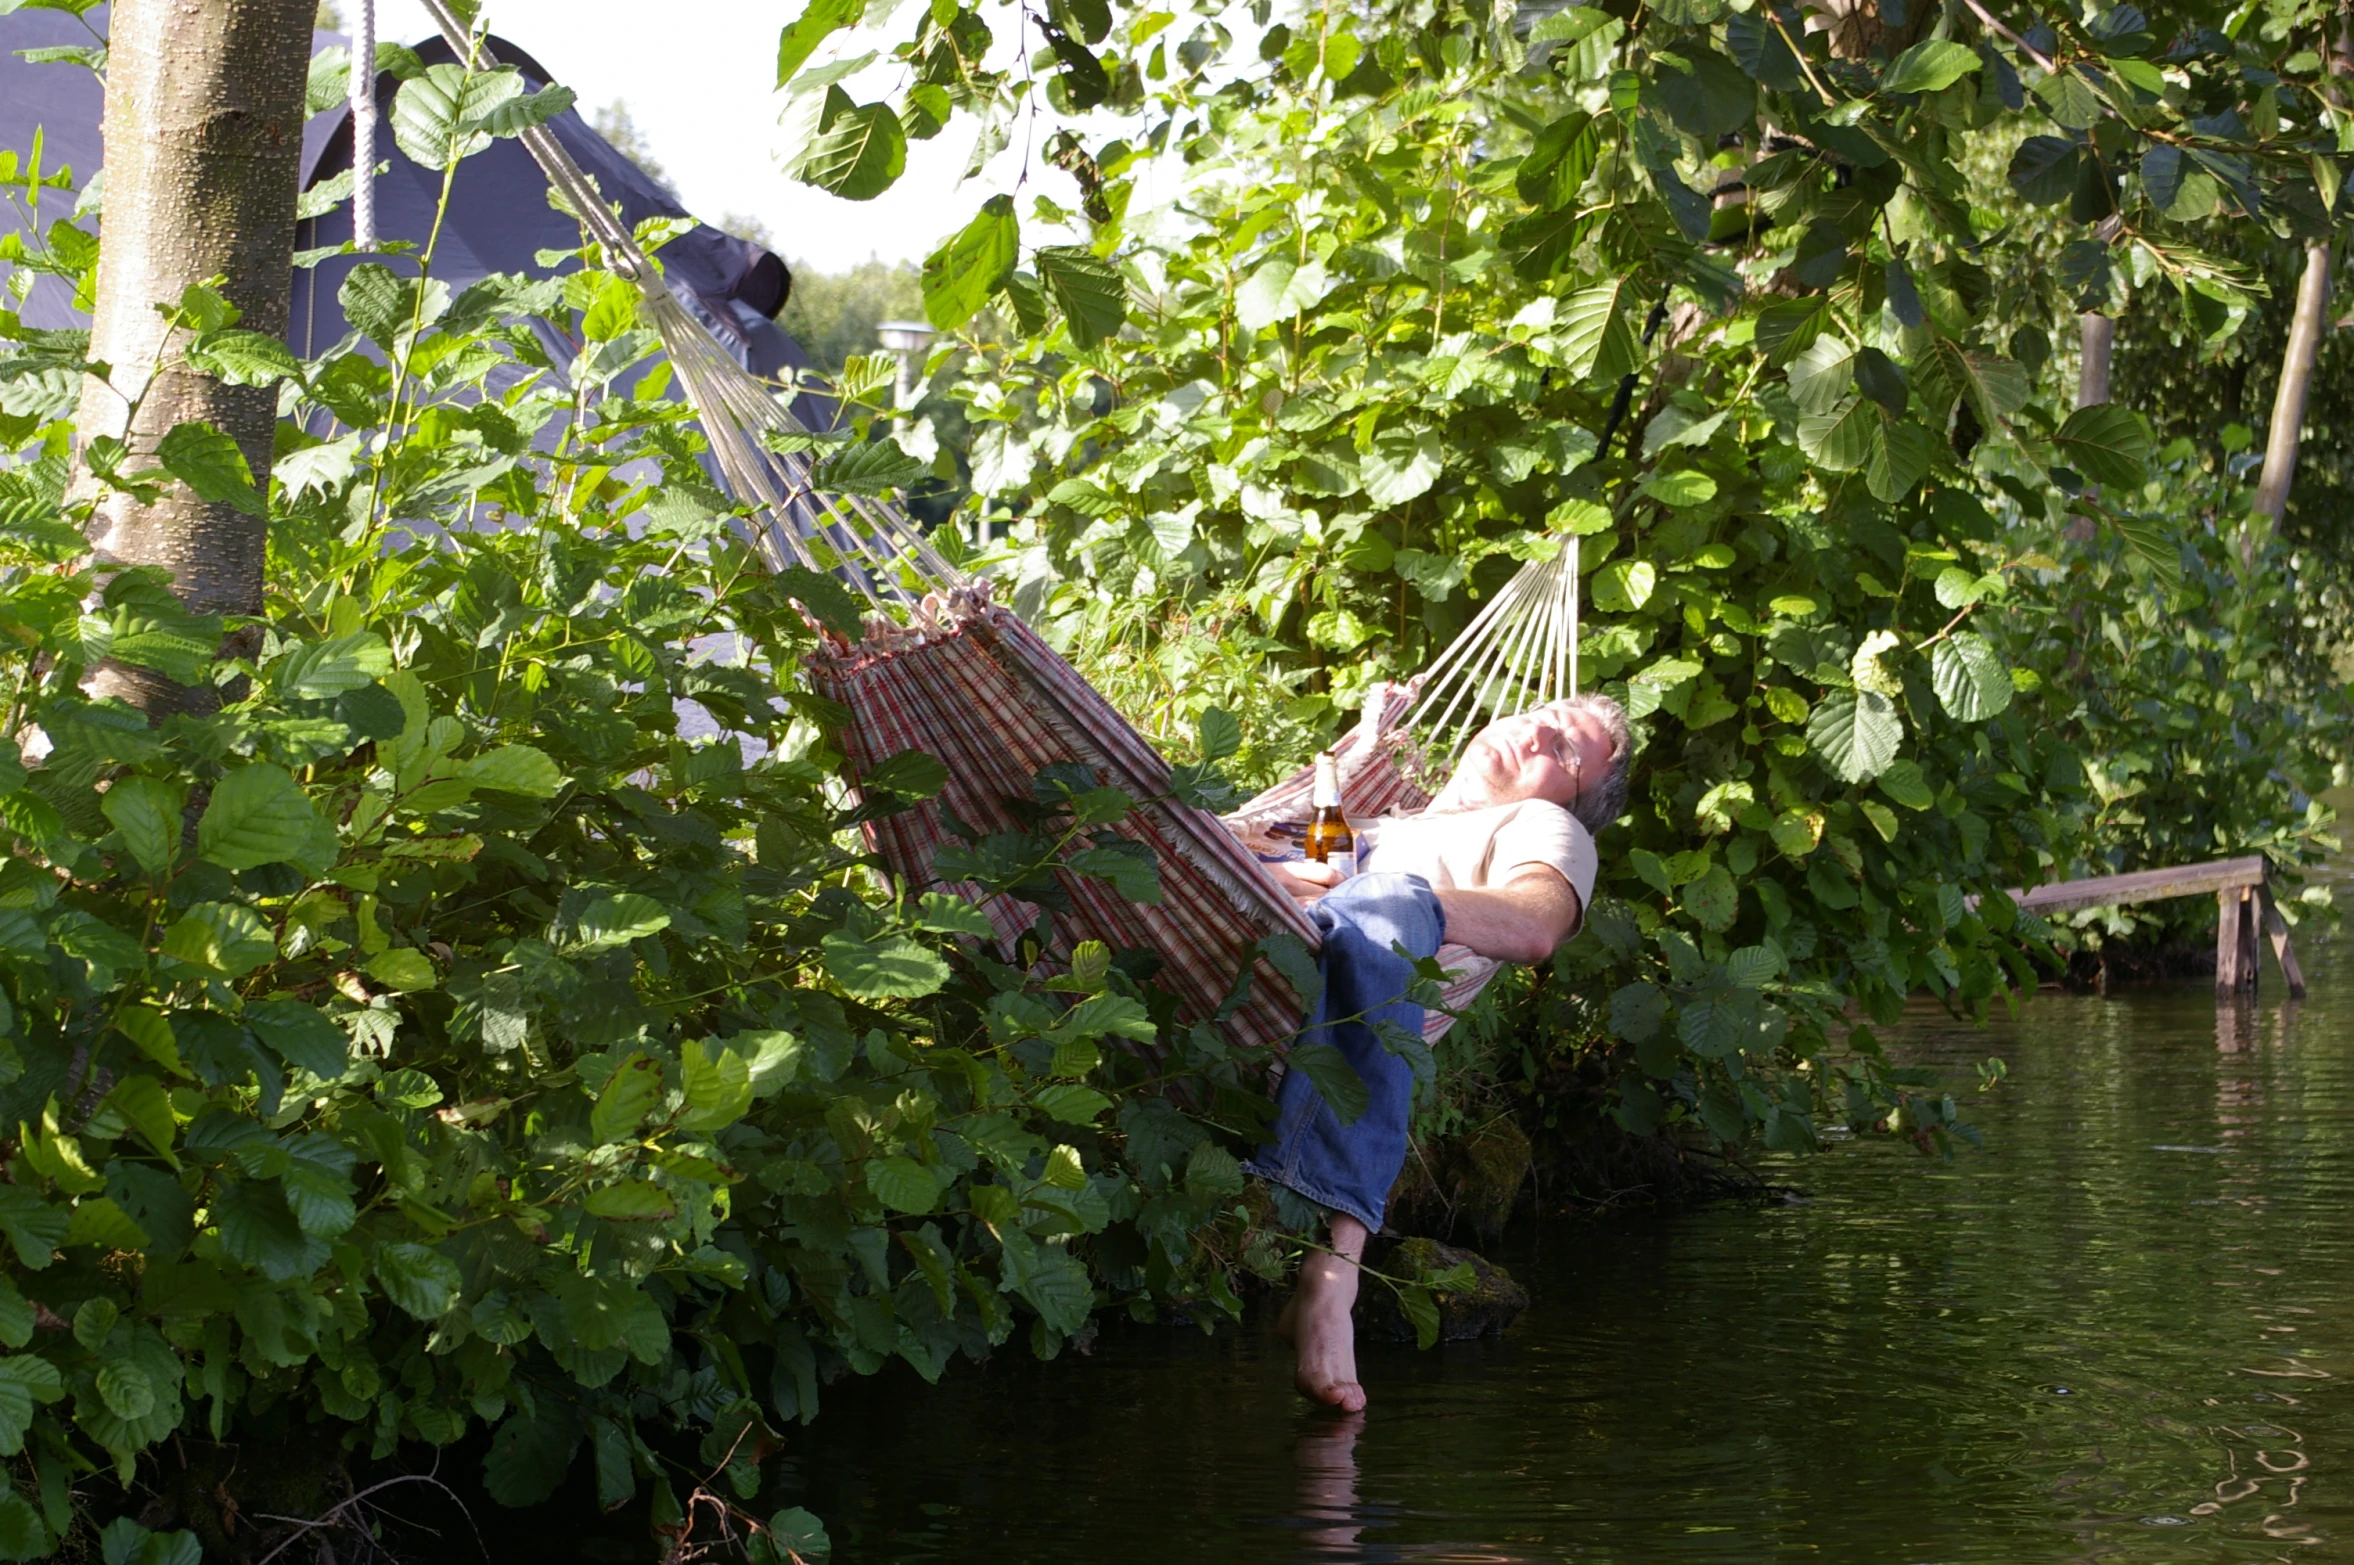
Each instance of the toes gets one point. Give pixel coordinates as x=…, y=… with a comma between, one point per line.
x=1342, y=1395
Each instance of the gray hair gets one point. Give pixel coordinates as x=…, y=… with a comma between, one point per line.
x=1602, y=800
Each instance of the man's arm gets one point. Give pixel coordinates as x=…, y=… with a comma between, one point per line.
x=1522, y=921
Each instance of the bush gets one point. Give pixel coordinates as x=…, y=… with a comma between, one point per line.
x=430, y=1038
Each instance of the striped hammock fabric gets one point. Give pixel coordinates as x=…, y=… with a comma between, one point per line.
x=972, y=686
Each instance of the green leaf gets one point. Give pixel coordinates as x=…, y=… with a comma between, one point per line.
x=1070, y=1102
x=422, y=1281
x=1624, y=586
x=147, y=812
x=1401, y=466
x=517, y=769
x=125, y=1542
x=259, y=1231
x=1596, y=342
x=913, y=775
x=16, y=1316
x=614, y=921
x=31, y=1224
x=1059, y=1288
x=2107, y=444
x=1856, y=733
x=244, y=358
x=2070, y=99
x=820, y=21
x=146, y=1106
x=1336, y=1080
x=1713, y=900
x=1929, y=66
x=903, y=1185
x=222, y=937
x=1219, y=734
x=23, y=1533
x=772, y=1055
x=429, y=116
x=874, y=467
x=125, y=1389
x=1821, y=375
x=257, y=815
x=1994, y=386
x=1841, y=441
x=211, y=465
x=404, y=970
x=1637, y=1010
x=638, y=1201
x=1090, y=291
x=1278, y=290
x=1679, y=490
x=1788, y=327
x=1903, y=782
x=613, y=311
x=513, y=116
x=2043, y=169
x=887, y=967
x=1971, y=682
x=1900, y=457
x=1558, y=162
x=1422, y=1309
x=826, y=599
x=24, y=1381
x=322, y=670
x=530, y=1452
x=717, y=1083
x=794, y=1532
x=961, y=275
x=631, y=1095
x=859, y=154
x=1702, y=91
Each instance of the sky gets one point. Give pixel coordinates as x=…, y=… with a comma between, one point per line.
x=703, y=95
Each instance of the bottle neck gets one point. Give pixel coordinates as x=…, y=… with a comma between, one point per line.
x=1326, y=795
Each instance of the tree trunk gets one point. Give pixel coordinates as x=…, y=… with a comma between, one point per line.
x=2296, y=375
x=204, y=116
x=2098, y=336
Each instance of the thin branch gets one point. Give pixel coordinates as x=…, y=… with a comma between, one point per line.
x=2021, y=44
x=329, y=1519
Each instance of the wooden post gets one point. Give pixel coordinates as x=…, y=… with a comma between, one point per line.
x=2277, y=928
x=2235, y=942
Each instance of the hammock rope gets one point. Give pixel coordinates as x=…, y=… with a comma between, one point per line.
x=946, y=670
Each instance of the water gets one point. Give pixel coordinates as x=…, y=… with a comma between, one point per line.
x=2118, y=1334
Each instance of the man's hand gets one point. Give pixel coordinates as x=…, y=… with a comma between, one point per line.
x=1305, y=879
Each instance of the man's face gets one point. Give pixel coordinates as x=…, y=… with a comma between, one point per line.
x=1542, y=754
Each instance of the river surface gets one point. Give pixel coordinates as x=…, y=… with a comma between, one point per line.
x=2122, y=1332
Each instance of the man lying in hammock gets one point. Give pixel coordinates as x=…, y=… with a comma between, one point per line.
x=1502, y=863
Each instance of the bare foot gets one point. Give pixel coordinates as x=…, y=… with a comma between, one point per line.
x=1318, y=1322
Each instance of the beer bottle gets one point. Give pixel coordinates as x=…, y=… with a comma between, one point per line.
x=1329, y=839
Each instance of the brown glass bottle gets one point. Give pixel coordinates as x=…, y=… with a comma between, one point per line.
x=1330, y=839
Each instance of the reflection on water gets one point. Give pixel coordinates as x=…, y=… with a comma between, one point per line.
x=2119, y=1334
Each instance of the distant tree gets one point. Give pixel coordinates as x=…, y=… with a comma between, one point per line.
x=613, y=122
x=330, y=18
x=834, y=314
x=745, y=226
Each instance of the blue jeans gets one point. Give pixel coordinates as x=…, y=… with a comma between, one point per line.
x=1350, y=1168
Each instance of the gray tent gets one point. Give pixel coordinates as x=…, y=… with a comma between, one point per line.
x=499, y=218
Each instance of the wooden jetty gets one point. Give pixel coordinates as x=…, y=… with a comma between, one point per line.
x=2243, y=903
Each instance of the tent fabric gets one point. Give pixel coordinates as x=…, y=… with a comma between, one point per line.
x=68, y=107
x=499, y=218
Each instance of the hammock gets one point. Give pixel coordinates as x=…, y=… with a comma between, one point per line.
x=944, y=670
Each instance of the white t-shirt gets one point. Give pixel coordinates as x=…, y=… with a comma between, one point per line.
x=1480, y=850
